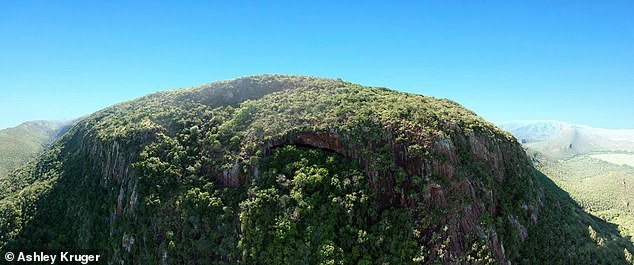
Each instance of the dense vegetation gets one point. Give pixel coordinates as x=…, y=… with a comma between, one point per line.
x=601, y=188
x=295, y=170
x=20, y=144
x=566, y=234
x=314, y=207
x=593, y=165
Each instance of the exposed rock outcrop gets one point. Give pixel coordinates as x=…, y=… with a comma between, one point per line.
x=457, y=179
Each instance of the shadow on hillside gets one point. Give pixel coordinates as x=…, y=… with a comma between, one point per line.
x=566, y=234
x=50, y=208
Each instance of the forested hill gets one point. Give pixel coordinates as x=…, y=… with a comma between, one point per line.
x=22, y=143
x=278, y=169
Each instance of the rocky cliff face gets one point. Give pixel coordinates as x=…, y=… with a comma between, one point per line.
x=474, y=167
x=131, y=179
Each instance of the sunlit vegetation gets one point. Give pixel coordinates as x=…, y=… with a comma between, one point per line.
x=566, y=234
x=601, y=188
x=21, y=144
x=220, y=174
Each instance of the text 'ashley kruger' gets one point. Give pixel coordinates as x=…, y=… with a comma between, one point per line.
x=63, y=256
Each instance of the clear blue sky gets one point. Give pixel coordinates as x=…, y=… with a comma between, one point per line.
x=506, y=60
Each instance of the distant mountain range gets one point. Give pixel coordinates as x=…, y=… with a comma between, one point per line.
x=559, y=139
x=594, y=165
x=23, y=142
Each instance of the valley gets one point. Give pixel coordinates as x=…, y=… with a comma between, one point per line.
x=23, y=143
x=596, y=166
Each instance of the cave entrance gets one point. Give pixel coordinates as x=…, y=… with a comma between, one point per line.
x=324, y=141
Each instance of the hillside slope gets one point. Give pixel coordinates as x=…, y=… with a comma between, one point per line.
x=22, y=143
x=595, y=165
x=296, y=170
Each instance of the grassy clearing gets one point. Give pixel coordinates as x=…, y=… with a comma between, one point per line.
x=617, y=159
